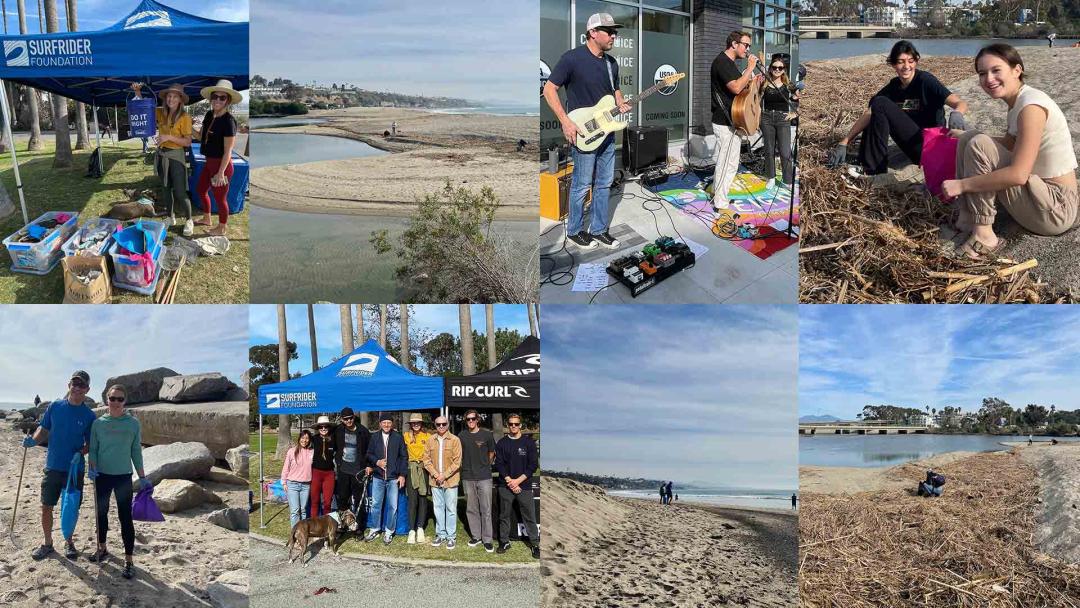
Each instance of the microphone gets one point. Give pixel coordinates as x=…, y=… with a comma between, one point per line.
x=800, y=86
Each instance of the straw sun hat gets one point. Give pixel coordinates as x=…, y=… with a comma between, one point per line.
x=222, y=86
x=174, y=88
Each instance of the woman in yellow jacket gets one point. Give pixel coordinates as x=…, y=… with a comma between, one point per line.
x=442, y=459
x=416, y=487
x=174, y=135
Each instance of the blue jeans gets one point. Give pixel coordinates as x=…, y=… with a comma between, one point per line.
x=445, y=500
x=595, y=169
x=388, y=489
x=298, y=492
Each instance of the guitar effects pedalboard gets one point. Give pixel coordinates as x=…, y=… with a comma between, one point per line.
x=642, y=270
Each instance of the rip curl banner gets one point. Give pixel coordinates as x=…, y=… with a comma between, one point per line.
x=513, y=384
x=154, y=44
x=367, y=379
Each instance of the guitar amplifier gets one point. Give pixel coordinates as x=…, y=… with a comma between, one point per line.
x=644, y=147
x=555, y=193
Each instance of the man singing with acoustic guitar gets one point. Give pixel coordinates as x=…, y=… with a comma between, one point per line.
x=727, y=82
x=589, y=73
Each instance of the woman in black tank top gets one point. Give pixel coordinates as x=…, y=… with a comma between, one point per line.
x=779, y=96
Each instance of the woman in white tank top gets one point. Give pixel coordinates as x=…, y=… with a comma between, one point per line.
x=1030, y=171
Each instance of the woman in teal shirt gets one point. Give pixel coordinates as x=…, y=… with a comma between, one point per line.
x=114, y=447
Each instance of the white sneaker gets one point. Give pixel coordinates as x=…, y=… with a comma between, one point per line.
x=769, y=185
x=189, y=228
x=420, y=537
x=717, y=205
x=412, y=538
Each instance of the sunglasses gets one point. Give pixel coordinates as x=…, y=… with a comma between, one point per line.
x=117, y=399
x=79, y=384
x=472, y=419
x=441, y=424
x=347, y=418
x=612, y=33
x=513, y=424
x=746, y=44
x=778, y=68
x=219, y=98
x=416, y=423
x=324, y=428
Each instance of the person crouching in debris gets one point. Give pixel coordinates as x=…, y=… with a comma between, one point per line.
x=933, y=484
x=1029, y=171
x=913, y=101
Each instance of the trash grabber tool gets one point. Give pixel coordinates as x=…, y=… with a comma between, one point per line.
x=18, y=489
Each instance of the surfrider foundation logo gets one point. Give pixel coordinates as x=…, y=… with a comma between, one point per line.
x=273, y=401
x=148, y=19
x=663, y=72
x=15, y=53
x=362, y=364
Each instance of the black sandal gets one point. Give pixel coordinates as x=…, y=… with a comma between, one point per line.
x=99, y=555
x=41, y=552
x=129, y=570
x=70, y=551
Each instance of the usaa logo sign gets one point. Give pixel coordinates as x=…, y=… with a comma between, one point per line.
x=663, y=72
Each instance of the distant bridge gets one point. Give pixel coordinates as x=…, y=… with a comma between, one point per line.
x=859, y=428
x=831, y=27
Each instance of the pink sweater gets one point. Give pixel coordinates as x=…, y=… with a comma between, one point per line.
x=297, y=468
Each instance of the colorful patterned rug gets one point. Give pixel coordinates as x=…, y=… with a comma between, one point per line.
x=765, y=208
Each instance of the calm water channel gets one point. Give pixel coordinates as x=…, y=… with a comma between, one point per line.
x=888, y=450
x=811, y=49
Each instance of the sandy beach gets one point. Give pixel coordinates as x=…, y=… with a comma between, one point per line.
x=471, y=150
x=600, y=550
x=1003, y=533
x=176, y=560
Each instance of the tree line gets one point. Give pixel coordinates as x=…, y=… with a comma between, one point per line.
x=607, y=481
x=995, y=416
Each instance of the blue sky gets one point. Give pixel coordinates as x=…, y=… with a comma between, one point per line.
x=43, y=344
x=466, y=48
x=851, y=356
x=700, y=394
x=437, y=318
x=98, y=14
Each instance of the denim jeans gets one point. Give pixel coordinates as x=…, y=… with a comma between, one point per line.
x=445, y=500
x=299, y=493
x=591, y=169
x=776, y=132
x=388, y=489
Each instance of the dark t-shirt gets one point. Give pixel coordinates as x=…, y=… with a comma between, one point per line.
x=475, y=450
x=585, y=77
x=923, y=100
x=214, y=132
x=776, y=99
x=723, y=71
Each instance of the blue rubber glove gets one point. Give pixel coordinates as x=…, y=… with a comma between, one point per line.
x=141, y=484
x=92, y=473
x=956, y=121
x=76, y=459
x=28, y=441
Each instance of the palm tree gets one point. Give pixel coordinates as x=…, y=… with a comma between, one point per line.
x=489, y=311
x=82, y=136
x=31, y=93
x=468, y=367
x=382, y=325
x=346, y=330
x=311, y=338
x=405, y=336
x=360, y=323
x=62, y=157
x=284, y=430
x=532, y=319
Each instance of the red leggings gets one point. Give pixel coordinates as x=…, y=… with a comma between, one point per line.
x=220, y=192
x=322, y=482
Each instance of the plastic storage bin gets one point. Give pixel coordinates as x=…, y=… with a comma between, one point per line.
x=101, y=248
x=128, y=271
x=41, y=257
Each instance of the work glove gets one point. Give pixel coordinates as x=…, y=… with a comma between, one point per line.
x=141, y=484
x=28, y=442
x=837, y=156
x=92, y=473
x=956, y=121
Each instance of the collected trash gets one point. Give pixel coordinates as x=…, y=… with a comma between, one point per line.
x=135, y=252
x=93, y=238
x=35, y=248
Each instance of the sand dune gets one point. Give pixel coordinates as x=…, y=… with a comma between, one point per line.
x=1058, y=532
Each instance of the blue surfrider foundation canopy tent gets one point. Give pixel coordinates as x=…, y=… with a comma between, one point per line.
x=367, y=379
x=155, y=44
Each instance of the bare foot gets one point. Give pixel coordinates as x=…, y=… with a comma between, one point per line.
x=206, y=221
x=218, y=230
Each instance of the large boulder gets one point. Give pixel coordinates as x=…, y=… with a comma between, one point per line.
x=217, y=475
x=190, y=460
x=195, y=387
x=230, y=590
x=233, y=518
x=142, y=387
x=218, y=425
x=238, y=460
x=237, y=393
x=175, y=495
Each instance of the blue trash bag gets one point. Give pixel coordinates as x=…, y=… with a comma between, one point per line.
x=402, y=526
x=71, y=500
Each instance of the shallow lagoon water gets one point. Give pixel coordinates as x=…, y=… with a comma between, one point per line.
x=888, y=450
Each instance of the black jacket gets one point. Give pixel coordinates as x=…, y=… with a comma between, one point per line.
x=363, y=436
x=397, y=457
x=323, y=459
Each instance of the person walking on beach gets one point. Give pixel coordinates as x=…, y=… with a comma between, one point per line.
x=913, y=101
x=393, y=129
x=1030, y=171
x=115, y=449
x=217, y=137
x=663, y=493
x=65, y=426
x=1051, y=37
x=670, y=491
x=296, y=477
x=589, y=74
x=390, y=461
x=726, y=82
x=794, y=502
x=477, y=454
x=174, y=133
x=416, y=490
x=516, y=459
x=322, y=468
x=442, y=460
x=350, y=457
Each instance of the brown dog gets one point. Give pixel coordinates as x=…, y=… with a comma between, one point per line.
x=319, y=527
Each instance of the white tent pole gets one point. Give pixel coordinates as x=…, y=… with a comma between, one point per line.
x=262, y=510
x=116, y=126
x=11, y=141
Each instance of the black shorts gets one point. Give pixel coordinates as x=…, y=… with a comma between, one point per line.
x=53, y=483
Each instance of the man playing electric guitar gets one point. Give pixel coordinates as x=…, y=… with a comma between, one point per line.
x=727, y=82
x=588, y=73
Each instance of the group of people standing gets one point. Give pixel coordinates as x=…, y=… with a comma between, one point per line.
x=113, y=446
x=667, y=493
x=341, y=462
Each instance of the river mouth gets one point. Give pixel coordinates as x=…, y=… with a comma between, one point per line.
x=812, y=49
x=890, y=450
x=275, y=149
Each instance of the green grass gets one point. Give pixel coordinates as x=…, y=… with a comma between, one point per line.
x=277, y=524
x=218, y=279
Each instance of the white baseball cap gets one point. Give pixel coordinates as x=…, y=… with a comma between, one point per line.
x=601, y=20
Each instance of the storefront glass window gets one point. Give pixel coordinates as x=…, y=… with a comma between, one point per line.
x=554, y=41
x=626, y=46
x=664, y=52
x=675, y=5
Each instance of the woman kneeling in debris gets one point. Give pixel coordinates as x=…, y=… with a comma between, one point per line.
x=174, y=132
x=1029, y=171
x=933, y=484
x=114, y=447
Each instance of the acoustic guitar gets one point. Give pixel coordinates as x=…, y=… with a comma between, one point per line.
x=746, y=108
x=596, y=122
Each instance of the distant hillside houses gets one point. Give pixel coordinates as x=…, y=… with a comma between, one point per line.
x=315, y=95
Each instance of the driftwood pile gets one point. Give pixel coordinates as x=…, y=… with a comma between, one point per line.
x=970, y=547
x=863, y=245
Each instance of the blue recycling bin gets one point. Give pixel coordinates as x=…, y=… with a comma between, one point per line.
x=238, y=184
